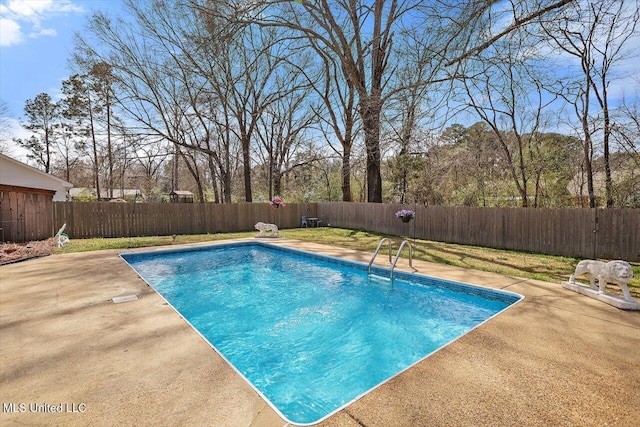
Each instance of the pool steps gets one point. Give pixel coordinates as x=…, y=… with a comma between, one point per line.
x=395, y=261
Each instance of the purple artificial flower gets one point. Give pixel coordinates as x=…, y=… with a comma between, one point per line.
x=277, y=202
x=405, y=213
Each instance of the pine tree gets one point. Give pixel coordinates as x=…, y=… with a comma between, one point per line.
x=76, y=107
x=42, y=114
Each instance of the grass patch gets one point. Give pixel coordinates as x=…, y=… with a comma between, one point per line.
x=547, y=268
x=97, y=244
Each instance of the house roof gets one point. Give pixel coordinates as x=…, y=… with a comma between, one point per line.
x=9, y=175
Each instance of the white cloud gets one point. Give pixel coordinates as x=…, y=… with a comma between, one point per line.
x=34, y=8
x=10, y=32
x=26, y=7
x=43, y=32
x=26, y=16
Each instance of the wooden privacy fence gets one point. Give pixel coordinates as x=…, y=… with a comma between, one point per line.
x=105, y=219
x=25, y=214
x=586, y=233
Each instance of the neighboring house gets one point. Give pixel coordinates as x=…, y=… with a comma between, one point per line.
x=18, y=174
x=85, y=193
x=82, y=194
x=126, y=194
x=26, y=201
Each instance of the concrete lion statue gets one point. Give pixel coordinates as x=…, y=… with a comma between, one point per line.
x=263, y=228
x=618, y=272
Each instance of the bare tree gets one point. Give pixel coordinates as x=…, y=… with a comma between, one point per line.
x=595, y=33
x=336, y=114
x=249, y=67
x=282, y=127
x=151, y=154
x=157, y=84
x=408, y=109
x=194, y=78
x=67, y=145
x=627, y=130
x=195, y=83
x=361, y=37
x=364, y=59
x=475, y=26
x=506, y=91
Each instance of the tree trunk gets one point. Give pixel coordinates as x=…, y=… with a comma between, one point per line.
x=523, y=174
x=214, y=184
x=346, y=173
x=96, y=166
x=67, y=173
x=109, y=149
x=246, y=159
x=587, y=146
x=47, y=143
x=175, y=183
x=607, y=164
x=370, y=110
x=277, y=183
x=588, y=169
x=226, y=185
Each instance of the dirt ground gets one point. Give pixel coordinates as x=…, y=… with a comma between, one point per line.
x=13, y=252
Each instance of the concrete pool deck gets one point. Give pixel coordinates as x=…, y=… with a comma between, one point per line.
x=556, y=358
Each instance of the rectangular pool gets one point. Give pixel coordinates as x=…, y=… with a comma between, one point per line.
x=312, y=333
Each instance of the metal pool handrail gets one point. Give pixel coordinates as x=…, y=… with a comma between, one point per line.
x=395, y=261
x=375, y=254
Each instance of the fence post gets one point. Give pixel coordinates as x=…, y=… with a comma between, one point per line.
x=595, y=234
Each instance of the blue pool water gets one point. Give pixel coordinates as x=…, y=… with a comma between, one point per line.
x=312, y=333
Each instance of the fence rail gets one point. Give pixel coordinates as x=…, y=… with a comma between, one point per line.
x=586, y=233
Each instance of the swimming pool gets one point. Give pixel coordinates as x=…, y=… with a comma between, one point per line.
x=312, y=333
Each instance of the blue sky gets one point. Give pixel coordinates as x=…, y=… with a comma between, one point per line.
x=36, y=39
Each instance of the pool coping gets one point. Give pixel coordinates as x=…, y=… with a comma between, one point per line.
x=512, y=298
x=557, y=358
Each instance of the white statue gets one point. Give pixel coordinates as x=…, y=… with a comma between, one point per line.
x=618, y=272
x=263, y=228
x=61, y=237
